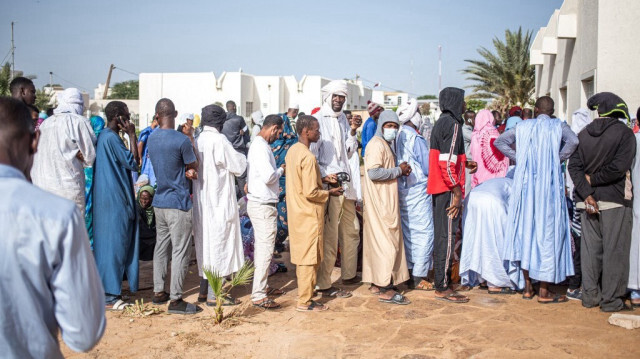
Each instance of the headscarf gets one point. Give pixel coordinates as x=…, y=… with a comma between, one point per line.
x=451, y=101
x=42, y=115
x=213, y=116
x=386, y=116
x=409, y=112
x=335, y=87
x=491, y=164
x=97, y=123
x=70, y=101
x=580, y=119
x=373, y=108
x=258, y=118
x=149, y=212
x=513, y=110
x=294, y=105
x=182, y=119
x=609, y=105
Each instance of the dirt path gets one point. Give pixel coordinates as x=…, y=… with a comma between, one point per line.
x=361, y=327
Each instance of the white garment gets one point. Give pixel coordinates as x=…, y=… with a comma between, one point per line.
x=55, y=166
x=216, y=223
x=354, y=164
x=264, y=219
x=634, y=258
x=262, y=174
x=334, y=158
x=50, y=284
x=70, y=101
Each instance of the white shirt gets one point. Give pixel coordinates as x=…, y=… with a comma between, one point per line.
x=330, y=159
x=48, y=277
x=262, y=174
x=56, y=168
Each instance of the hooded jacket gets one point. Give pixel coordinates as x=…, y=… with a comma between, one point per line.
x=605, y=153
x=446, y=155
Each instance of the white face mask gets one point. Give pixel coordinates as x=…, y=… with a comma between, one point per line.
x=389, y=134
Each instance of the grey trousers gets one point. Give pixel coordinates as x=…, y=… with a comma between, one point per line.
x=173, y=228
x=604, y=252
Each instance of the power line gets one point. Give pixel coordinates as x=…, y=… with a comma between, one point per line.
x=72, y=83
x=5, y=57
x=127, y=71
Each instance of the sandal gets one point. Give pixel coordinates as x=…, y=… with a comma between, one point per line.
x=266, y=303
x=313, y=307
x=374, y=290
x=425, y=285
x=118, y=306
x=228, y=301
x=461, y=288
x=275, y=291
x=558, y=298
x=503, y=290
x=181, y=307
x=528, y=295
x=160, y=298
x=453, y=297
x=396, y=299
x=335, y=292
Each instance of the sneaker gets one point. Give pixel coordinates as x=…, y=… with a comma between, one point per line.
x=575, y=294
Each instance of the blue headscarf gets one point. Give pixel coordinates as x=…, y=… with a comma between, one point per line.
x=97, y=123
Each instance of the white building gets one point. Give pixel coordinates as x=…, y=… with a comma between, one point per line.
x=389, y=100
x=190, y=92
x=98, y=92
x=588, y=46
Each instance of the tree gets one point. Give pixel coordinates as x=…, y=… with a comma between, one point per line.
x=428, y=97
x=5, y=79
x=216, y=281
x=127, y=90
x=43, y=99
x=506, y=75
x=475, y=105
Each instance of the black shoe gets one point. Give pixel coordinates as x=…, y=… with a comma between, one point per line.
x=181, y=307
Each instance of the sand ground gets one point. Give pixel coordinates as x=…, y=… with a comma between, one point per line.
x=361, y=327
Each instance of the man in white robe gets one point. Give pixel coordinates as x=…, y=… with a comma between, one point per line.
x=67, y=145
x=216, y=223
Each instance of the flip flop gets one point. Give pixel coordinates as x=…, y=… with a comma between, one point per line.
x=425, y=285
x=275, y=291
x=397, y=298
x=556, y=299
x=524, y=296
x=459, y=298
x=118, y=306
x=313, y=307
x=503, y=290
x=267, y=304
x=335, y=292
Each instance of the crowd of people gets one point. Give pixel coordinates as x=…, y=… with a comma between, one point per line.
x=515, y=206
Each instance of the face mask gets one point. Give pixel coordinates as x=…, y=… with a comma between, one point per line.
x=389, y=134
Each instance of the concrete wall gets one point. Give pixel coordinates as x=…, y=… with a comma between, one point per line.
x=588, y=46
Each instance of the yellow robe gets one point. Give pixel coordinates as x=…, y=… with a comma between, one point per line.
x=306, y=200
x=383, y=249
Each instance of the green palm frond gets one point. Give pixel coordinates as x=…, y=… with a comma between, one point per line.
x=244, y=274
x=216, y=281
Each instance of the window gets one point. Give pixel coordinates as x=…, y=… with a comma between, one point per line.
x=399, y=100
x=588, y=89
x=564, y=106
x=248, y=108
x=265, y=105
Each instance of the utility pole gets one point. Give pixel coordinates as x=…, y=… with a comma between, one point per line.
x=106, y=85
x=439, y=69
x=13, y=54
x=51, y=80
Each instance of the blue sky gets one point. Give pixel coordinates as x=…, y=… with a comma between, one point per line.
x=77, y=40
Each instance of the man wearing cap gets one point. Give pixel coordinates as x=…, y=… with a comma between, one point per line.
x=336, y=145
x=67, y=145
x=515, y=116
x=371, y=124
x=600, y=169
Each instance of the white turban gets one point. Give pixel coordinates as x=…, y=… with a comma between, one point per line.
x=581, y=118
x=183, y=119
x=70, y=101
x=294, y=105
x=408, y=111
x=258, y=118
x=335, y=87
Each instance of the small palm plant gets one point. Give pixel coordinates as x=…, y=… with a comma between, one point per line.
x=220, y=291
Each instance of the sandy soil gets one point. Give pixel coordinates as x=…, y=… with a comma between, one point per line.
x=361, y=327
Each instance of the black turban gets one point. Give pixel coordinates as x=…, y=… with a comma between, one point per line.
x=214, y=116
x=608, y=105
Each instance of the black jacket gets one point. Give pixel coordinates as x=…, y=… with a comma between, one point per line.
x=606, y=152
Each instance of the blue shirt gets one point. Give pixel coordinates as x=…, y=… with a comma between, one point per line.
x=368, y=131
x=170, y=151
x=48, y=277
x=512, y=122
x=147, y=167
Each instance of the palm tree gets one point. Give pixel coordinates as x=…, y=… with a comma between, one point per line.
x=216, y=281
x=506, y=75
